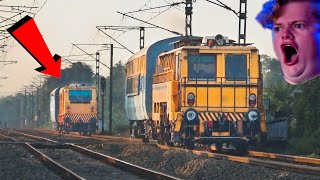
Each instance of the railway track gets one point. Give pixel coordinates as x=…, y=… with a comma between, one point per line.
x=23, y=137
x=285, y=158
x=292, y=162
x=277, y=161
x=295, y=163
x=71, y=161
x=104, y=138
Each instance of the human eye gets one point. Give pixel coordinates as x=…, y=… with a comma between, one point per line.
x=277, y=28
x=299, y=26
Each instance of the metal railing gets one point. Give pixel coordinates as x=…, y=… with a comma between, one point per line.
x=251, y=84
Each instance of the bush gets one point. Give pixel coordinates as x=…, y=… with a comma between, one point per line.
x=309, y=144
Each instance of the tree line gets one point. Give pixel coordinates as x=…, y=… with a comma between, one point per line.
x=300, y=103
x=33, y=108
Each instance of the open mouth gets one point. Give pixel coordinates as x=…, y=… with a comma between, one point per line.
x=290, y=54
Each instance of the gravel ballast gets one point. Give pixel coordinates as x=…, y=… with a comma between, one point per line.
x=189, y=166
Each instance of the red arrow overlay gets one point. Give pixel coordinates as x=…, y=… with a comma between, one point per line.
x=28, y=35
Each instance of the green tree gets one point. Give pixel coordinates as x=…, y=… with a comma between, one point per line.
x=271, y=70
x=12, y=107
x=119, y=119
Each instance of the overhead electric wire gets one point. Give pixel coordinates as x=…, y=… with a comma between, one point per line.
x=141, y=10
x=11, y=6
x=7, y=19
x=7, y=25
x=170, y=6
x=174, y=32
x=89, y=55
x=10, y=17
x=76, y=55
x=42, y=7
x=223, y=6
x=116, y=41
x=22, y=11
x=79, y=60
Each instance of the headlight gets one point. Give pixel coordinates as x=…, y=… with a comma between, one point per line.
x=252, y=100
x=191, y=115
x=252, y=97
x=191, y=98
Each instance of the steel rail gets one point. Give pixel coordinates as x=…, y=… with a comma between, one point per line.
x=140, y=171
x=33, y=137
x=98, y=137
x=254, y=161
x=137, y=170
x=298, y=159
x=7, y=137
x=51, y=164
x=60, y=170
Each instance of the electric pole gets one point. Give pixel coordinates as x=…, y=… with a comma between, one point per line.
x=31, y=109
x=98, y=80
x=242, y=22
x=142, y=33
x=103, y=87
x=188, y=12
x=110, y=93
x=122, y=29
x=38, y=111
x=242, y=15
x=25, y=108
x=98, y=62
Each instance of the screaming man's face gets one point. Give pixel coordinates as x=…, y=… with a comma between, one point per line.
x=296, y=38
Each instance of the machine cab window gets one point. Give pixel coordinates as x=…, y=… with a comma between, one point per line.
x=80, y=96
x=236, y=67
x=202, y=66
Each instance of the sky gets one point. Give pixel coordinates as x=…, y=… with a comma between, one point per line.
x=63, y=22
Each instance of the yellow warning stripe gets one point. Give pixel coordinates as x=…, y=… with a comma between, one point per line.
x=214, y=116
x=85, y=118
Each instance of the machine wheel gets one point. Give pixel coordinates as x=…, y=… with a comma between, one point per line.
x=241, y=148
x=145, y=140
x=219, y=147
x=160, y=140
x=170, y=143
x=188, y=143
x=188, y=134
x=59, y=129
